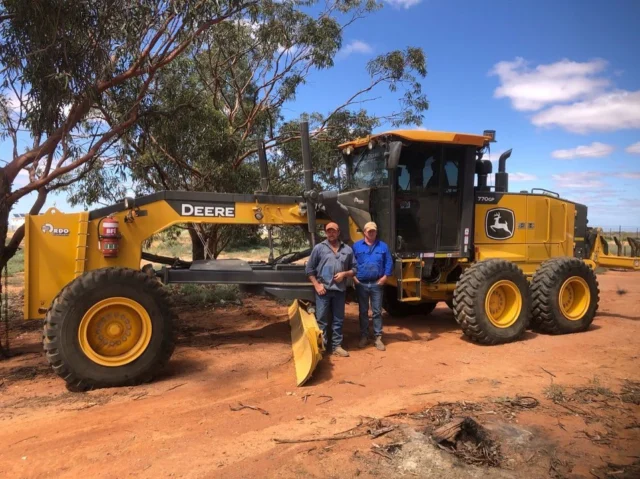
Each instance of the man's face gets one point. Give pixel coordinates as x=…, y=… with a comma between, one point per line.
x=371, y=234
x=332, y=235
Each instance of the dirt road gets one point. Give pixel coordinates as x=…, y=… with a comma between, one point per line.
x=183, y=425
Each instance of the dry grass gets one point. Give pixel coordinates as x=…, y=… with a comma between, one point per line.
x=556, y=393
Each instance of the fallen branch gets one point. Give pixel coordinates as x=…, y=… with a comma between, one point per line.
x=329, y=398
x=380, y=432
x=549, y=373
x=401, y=413
x=435, y=391
x=22, y=440
x=175, y=387
x=449, y=431
x=344, y=381
x=86, y=406
x=573, y=409
x=247, y=406
x=376, y=450
x=350, y=429
x=321, y=438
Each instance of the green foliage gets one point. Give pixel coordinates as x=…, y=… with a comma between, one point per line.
x=16, y=263
x=203, y=295
x=63, y=49
x=204, y=113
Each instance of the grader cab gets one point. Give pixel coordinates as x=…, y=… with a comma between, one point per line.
x=501, y=260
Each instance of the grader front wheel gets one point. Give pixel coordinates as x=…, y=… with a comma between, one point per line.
x=565, y=296
x=491, y=302
x=109, y=327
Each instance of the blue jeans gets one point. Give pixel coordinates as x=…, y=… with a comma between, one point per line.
x=332, y=303
x=370, y=291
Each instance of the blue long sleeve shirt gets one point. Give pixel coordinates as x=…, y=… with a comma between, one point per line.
x=373, y=261
x=324, y=264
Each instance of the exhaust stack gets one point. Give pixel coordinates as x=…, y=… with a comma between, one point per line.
x=502, y=177
x=309, y=194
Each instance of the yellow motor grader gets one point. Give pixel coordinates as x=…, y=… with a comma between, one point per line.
x=501, y=260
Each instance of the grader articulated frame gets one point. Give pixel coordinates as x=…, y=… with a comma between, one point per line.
x=502, y=261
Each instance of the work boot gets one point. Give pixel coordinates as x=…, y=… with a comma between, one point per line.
x=379, y=344
x=340, y=351
x=363, y=342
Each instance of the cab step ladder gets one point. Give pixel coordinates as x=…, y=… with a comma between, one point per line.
x=408, y=272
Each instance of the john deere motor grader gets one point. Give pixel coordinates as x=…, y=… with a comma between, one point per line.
x=499, y=259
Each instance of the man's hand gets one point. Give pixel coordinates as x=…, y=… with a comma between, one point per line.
x=320, y=289
x=382, y=280
x=339, y=277
x=355, y=280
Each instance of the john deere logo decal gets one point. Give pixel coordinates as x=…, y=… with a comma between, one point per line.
x=499, y=223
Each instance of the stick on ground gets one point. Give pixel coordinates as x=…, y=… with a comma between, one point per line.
x=320, y=438
x=435, y=391
x=549, y=373
x=246, y=406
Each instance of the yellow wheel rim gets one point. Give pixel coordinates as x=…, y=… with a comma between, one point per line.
x=574, y=298
x=115, y=331
x=503, y=303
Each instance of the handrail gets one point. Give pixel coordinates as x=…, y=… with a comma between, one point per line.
x=548, y=219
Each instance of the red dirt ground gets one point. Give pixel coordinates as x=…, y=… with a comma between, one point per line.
x=182, y=425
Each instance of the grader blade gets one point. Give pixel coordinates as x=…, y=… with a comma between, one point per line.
x=306, y=341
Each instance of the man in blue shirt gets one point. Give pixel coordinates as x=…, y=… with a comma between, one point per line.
x=374, y=263
x=330, y=263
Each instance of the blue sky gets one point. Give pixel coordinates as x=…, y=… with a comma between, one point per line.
x=558, y=80
x=566, y=70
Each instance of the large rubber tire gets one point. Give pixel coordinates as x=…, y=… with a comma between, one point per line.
x=470, y=298
x=546, y=286
x=62, y=322
x=397, y=309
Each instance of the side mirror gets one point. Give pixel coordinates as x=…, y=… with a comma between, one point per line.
x=393, y=154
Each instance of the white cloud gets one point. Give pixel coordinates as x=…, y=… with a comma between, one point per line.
x=634, y=149
x=355, y=46
x=592, y=180
x=608, y=112
x=579, y=180
x=594, y=150
x=403, y=3
x=558, y=82
x=522, y=177
x=289, y=51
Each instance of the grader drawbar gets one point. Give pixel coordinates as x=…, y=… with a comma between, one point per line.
x=503, y=261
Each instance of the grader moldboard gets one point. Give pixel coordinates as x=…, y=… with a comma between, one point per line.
x=501, y=260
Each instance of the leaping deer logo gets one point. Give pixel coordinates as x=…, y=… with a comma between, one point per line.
x=499, y=226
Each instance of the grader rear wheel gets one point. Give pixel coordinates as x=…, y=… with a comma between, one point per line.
x=491, y=302
x=565, y=296
x=109, y=327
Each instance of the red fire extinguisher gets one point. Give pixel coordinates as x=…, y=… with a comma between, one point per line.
x=109, y=237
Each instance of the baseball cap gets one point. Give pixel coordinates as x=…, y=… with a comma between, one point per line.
x=332, y=226
x=370, y=226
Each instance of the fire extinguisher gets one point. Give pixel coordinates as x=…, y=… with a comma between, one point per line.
x=109, y=237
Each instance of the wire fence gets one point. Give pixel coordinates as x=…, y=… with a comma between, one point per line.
x=617, y=237
x=622, y=232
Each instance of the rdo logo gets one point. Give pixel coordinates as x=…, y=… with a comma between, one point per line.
x=49, y=228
